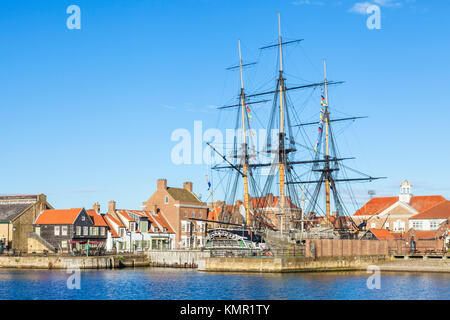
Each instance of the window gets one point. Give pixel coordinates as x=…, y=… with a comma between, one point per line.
x=399, y=225
x=78, y=230
x=193, y=214
x=372, y=225
x=417, y=225
x=434, y=225
x=122, y=232
x=64, y=244
x=85, y=231
x=200, y=215
x=185, y=214
x=132, y=227
x=386, y=225
x=64, y=230
x=102, y=231
x=56, y=230
x=83, y=218
x=167, y=199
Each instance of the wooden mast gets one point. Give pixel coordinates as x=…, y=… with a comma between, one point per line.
x=327, y=156
x=281, y=142
x=246, y=197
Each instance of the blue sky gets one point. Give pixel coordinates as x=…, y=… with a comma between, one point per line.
x=87, y=115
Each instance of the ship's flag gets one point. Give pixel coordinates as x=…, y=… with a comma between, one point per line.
x=320, y=129
x=323, y=103
x=248, y=109
x=208, y=182
x=249, y=115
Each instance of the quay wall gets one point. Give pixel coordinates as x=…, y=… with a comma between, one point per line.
x=64, y=262
x=289, y=264
x=347, y=248
x=176, y=258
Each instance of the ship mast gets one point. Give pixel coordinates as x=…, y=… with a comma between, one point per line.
x=327, y=155
x=281, y=138
x=245, y=164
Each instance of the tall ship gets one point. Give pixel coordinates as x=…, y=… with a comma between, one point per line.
x=278, y=176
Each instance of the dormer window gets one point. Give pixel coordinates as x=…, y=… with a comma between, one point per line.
x=167, y=199
x=132, y=227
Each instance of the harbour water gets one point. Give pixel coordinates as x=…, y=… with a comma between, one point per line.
x=174, y=284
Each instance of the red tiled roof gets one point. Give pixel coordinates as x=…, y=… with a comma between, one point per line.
x=439, y=211
x=382, y=234
x=111, y=229
x=377, y=205
x=263, y=202
x=96, y=218
x=118, y=222
x=158, y=217
x=59, y=216
x=426, y=235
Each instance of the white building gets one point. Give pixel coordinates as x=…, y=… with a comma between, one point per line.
x=432, y=218
x=137, y=230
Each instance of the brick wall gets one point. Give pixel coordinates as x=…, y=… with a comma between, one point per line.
x=343, y=248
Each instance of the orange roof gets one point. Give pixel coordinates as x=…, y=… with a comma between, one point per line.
x=158, y=217
x=377, y=205
x=96, y=218
x=124, y=214
x=426, y=235
x=439, y=211
x=263, y=202
x=382, y=234
x=118, y=222
x=111, y=229
x=60, y=216
x=214, y=213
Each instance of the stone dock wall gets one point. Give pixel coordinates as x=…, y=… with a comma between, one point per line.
x=176, y=258
x=289, y=264
x=64, y=262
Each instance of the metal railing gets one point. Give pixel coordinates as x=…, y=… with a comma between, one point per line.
x=272, y=253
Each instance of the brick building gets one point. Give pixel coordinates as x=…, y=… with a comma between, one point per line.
x=17, y=215
x=394, y=213
x=179, y=206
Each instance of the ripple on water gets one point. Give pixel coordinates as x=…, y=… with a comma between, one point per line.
x=174, y=284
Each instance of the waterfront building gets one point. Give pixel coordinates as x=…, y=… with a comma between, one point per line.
x=394, y=213
x=432, y=218
x=183, y=210
x=67, y=230
x=137, y=230
x=270, y=210
x=17, y=214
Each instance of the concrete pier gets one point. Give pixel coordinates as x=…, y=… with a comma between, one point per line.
x=293, y=264
x=64, y=262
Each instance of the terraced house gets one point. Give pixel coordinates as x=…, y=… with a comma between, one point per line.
x=17, y=214
x=181, y=207
x=138, y=230
x=66, y=230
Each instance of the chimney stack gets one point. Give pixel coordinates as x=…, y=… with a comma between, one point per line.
x=112, y=207
x=96, y=207
x=187, y=186
x=161, y=184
